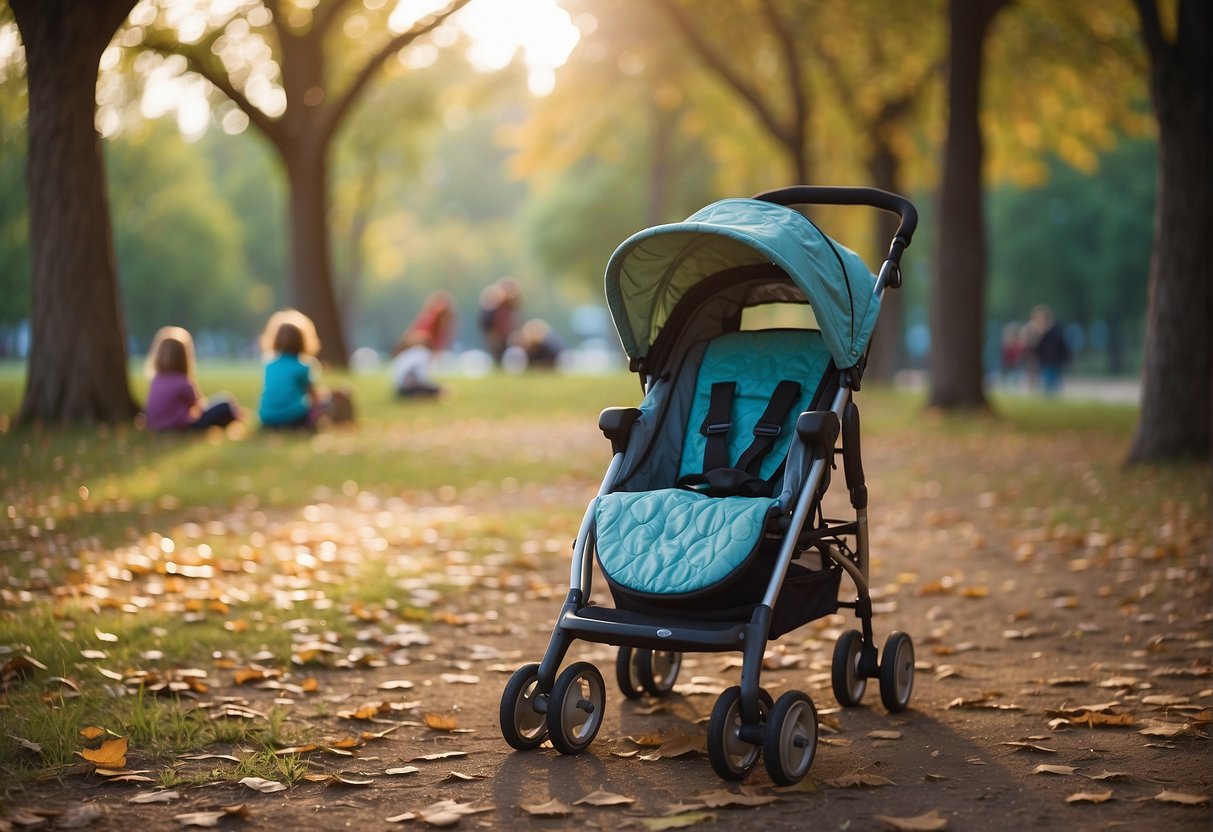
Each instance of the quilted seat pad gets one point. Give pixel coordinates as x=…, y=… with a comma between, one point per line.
x=673, y=541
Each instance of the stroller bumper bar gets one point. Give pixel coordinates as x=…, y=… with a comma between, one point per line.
x=625, y=628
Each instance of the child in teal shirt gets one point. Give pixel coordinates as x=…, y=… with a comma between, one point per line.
x=288, y=397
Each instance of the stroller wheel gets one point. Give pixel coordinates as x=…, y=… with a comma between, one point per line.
x=848, y=685
x=659, y=670
x=628, y=662
x=897, y=672
x=522, y=726
x=576, y=707
x=732, y=757
x=790, y=738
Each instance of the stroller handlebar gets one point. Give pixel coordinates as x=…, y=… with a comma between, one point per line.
x=839, y=195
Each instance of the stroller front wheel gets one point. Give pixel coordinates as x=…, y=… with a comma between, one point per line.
x=522, y=726
x=790, y=739
x=848, y=685
x=731, y=756
x=897, y=672
x=576, y=708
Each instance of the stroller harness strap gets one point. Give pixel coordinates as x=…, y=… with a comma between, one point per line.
x=719, y=479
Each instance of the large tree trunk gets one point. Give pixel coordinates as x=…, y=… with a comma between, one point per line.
x=77, y=363
x=958, y=288
x=310, y=260
x=887, y=351
x=1178, y=372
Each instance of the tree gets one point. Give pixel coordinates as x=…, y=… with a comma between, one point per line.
x=323, y=55
x=77, y=364
x=958, y=287
x=1178, y=375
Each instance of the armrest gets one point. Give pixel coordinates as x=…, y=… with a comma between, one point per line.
x=818, y=429
x=616, y=424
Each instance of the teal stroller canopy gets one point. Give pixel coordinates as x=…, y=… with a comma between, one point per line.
x=654, y=269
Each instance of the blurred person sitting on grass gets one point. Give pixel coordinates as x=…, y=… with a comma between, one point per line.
x=173, y=402
x=290, y=397
x=428, y=334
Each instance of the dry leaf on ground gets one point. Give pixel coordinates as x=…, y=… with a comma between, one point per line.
x=260, y=784
x=858, y=779
x=79, y=815
x=1168, y=796
x=1062, y=770
x=155, y=797
x=552, y=809
x=676, y=821
x=111, y=754
x=928, y=822
x=1089, y=797
x=604, y=798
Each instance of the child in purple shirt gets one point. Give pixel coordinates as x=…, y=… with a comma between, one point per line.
x=172, y=399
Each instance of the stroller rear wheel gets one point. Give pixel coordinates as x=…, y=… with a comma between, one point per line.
x=848, y=685
x=790, y=738
x=627, y=671
x=731, y=756
x=897, y=672
x=576, y=708
x=522, y=726
x=659, y=671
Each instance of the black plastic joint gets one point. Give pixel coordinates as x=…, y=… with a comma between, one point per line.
x=818, y=428
x=616, y=425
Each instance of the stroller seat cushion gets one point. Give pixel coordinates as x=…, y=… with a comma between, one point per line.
x=673, y=541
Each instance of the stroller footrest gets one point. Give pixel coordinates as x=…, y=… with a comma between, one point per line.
x=606, y=625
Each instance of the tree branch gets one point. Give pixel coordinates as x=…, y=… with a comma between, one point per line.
x=197, y=59
x=1151, y=28
x=717, y=62
x=792, y=66
x=342, y=104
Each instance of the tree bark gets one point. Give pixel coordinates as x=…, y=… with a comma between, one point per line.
x=1177, y=384
x=958, y=287
x=77, y=363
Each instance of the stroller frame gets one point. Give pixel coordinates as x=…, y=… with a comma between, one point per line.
x=569, y=705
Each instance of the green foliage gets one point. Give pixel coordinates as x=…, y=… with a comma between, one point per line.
x=179, y=245
x=1080, y=243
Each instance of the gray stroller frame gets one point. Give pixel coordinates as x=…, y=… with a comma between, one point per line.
x=567, y=707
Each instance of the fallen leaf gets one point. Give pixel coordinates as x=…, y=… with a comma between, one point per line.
x=399, y=770
x=396, y=684
x=79, y=815
x=1165, y=729
x=155, y=797
x=459, y=775
x=262, y=785
x=928, y=822
x=552, y=809
x=1108, y=775
x=92, y=732
x=1168, y=796
x=28, y=745
x=103, y=636
x=1089, y=797
x=438, y=722
x=603, y=798
x=722, y=797
x=1027, y=746
x=676, y=821
x=1047, y=769
x=859, y=778
x=111, y=754
x=884, y=735
x=1164, y=700
x=444, y=755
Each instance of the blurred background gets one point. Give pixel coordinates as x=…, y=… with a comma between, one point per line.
x=528, y=138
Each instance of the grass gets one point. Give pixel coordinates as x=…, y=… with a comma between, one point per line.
x=173, y=552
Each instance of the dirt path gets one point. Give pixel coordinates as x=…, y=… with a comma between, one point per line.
x=1018, y=626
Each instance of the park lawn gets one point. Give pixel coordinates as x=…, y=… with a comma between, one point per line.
x=132, y=562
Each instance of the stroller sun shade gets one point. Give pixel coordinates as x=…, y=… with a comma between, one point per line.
x=654, y=269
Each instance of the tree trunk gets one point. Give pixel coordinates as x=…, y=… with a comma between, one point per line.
x=958, y=288
x=77, y=363
x=887, y=351
x=311, y=279
x=1178, y=370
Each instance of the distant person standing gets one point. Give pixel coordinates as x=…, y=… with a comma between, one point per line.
x=499, y=305
x=1050, y=350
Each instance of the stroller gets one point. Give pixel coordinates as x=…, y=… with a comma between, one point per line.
x=708, y=526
